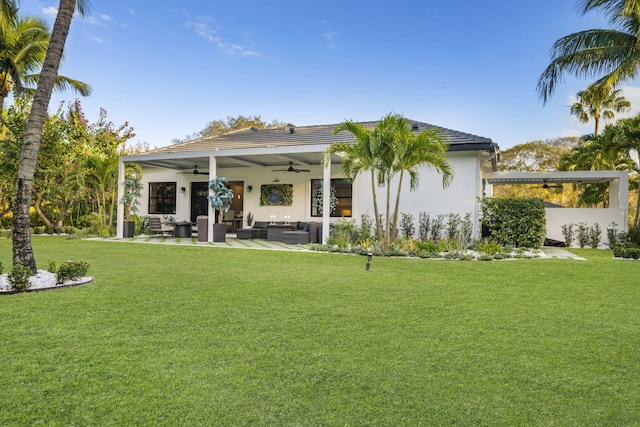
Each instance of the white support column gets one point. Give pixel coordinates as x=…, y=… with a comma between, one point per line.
x=120, y=208
x=211, y=212
x=326, y=200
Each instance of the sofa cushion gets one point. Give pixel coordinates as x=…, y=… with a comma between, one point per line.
x=260, y=224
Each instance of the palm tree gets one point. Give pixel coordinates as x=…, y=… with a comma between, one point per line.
x=8, y=12
x=23, y=47
x=630, y=129
x=22, y=249
x=361, y=156
x=597, y=104
x=386, y=151
x=413, y=151
x=610, y=55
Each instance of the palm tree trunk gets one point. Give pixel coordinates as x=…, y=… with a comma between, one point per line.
x=636, y=222
x=387, y=223
x=376, y=212
x=22, y=249
x=394, y=230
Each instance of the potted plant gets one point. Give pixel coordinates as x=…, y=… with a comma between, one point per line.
x=132, y=191
x=249, y=219
x=220, y=200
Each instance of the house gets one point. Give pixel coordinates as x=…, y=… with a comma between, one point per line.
x=262, y=165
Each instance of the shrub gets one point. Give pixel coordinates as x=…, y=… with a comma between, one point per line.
x=19, y=276
x=520, y=222
x=613, y=236
x=1, y=268
x=424, y=222
x=437, y=227
x=487, y=247
x=366, y=227
x=568, y=234
x=583, y=234
x=595, y=234
x=68, y=229
x=71, y=270
x=344, y=233
x=633, y=235
x=406, y=225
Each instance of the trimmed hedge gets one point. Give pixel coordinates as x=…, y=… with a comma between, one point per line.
x=518, y=222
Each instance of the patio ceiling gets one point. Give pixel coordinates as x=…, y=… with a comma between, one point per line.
x=235, y=158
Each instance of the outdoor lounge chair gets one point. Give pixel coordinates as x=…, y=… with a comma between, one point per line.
x=229, y=219
x=158, y=226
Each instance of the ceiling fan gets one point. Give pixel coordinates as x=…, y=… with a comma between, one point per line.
x=197, y=172
x=546, y=185
x=291, y=169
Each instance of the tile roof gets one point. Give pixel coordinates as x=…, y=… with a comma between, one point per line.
x=290, y=135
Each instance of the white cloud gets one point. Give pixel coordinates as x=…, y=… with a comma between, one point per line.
x=105, y=18
x=202, y=28
x=50, y=11
x=329, y=35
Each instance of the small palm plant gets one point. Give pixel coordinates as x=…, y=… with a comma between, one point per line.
x=221, y=198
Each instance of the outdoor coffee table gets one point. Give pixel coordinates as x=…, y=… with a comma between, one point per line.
x=274, y=231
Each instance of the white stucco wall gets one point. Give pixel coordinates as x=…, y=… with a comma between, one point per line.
x=459, y=198
x=557, y=217
x=254, y=177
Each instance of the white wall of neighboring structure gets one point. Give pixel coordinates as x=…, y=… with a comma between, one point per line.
x=557, y=217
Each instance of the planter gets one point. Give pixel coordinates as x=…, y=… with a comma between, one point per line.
x=129, y=229
x=219, y=232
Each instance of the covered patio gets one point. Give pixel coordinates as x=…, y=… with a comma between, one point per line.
x=210, y=163
x=557, y=216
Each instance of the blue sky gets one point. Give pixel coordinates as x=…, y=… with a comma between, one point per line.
x=168, y=68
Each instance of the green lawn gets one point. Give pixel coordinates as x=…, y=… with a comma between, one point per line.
x=172, y=335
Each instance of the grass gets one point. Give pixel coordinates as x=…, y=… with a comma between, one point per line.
x=178, y=335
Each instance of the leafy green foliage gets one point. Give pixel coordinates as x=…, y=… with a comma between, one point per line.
x=19, y=276
x=519, y=222
x=406, y=225
x=71, y=270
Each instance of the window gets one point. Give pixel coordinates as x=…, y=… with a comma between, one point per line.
x=162, y=197
x=342, y=197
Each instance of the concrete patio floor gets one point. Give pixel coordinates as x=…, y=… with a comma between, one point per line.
x=233, y=242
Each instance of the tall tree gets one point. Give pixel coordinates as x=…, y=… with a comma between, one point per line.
x=390, y=150
x=8, y=11
x=595, y=152
x=411, y=152
x=630, y=141
x=596, y=103
x=359, y=157
x=609, y=55
x=22, y=248
x=23, y=47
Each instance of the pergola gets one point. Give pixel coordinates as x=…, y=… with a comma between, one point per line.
x=617, y=211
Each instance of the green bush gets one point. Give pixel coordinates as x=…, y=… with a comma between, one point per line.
x=69, y=229
x=71, y=270
x=627, y=250
x=19, y=276
x=488, y=247
x=519, y=222
x=1, y=268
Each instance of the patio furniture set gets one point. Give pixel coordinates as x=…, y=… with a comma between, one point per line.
x=290, y=233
